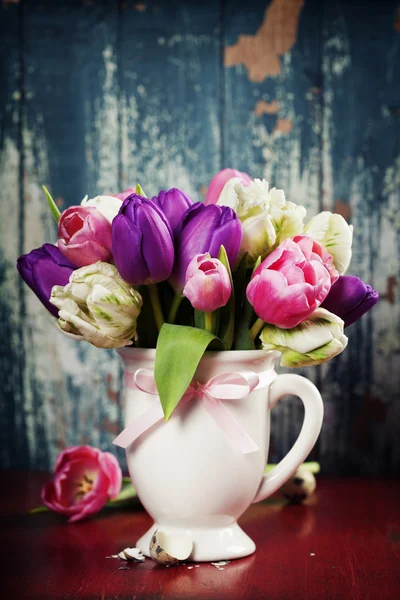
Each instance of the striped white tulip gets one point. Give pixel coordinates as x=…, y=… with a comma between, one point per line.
x=333, y=232
x=314, y=341
x=98, y=306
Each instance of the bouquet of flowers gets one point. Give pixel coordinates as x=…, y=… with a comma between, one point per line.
x=241, y=271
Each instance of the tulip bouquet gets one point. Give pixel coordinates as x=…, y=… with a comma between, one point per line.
x=241, y=271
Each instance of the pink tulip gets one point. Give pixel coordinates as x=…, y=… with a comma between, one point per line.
x=208, y=285
x=126, y=193
x=84, y=479
x=291, y=282
x=84, y=235
x=219, y=180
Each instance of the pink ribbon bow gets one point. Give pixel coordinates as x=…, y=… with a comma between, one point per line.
x=226, y=386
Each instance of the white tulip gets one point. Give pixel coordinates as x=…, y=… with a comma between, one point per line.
x=266, y=216
x=314, y=341
x=258, y=235
x=333, y=232
x=107, y=205
x=98, y=306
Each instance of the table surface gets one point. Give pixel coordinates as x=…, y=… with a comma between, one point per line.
x=344, y=543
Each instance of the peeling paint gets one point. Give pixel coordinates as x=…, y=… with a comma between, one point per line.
x=260, y=53
x=266, y=108
x=342, y=208
x=284, y=126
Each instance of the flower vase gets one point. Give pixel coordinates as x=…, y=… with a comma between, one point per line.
x=193, y=474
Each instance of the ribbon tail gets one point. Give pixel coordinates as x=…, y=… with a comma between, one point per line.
x=230, y=426
x=132, y=431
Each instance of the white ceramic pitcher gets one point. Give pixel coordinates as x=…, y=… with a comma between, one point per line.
x=189, y=476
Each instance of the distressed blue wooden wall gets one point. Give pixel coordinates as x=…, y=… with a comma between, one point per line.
x=97, y=95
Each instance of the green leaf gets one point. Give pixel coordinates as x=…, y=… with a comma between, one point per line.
x=127, y=492
x=178, y=353
x=227, y=312
x=140, y=190
x=38, y=509
x=53, y=206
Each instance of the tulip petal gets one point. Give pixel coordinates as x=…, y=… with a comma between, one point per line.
x=85, y=253
x=334, y=234
x=127, y=250
x=157, y=242
x=46, y=274
x=110, y=466
x=219, y=180
x=284, y=306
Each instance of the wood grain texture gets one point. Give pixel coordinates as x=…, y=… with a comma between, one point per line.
x=343, y=544
x=98, y=95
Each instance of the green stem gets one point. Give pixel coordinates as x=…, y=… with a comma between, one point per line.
x=256, y=328
x=156, y=306
x=208, y=321
x=176, y=302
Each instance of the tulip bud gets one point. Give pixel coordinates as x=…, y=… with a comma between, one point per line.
x=109, y=206
x=99, y=306
x=205, y=229
x=84, y=235
x=349, y=298
x=219, y=180
x=143, y=245
x=174, y=204
x=43, y=268
x=208, y=285
x=312, y=342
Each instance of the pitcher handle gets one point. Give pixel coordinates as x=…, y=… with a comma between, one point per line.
x=313, y=415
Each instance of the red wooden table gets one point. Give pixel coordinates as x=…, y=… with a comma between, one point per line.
x=343, y=544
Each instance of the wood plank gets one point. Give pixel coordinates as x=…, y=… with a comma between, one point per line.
x=170, y=77
x=272, y=119
x=361, y=180
x=71, y=145
x=13, y=441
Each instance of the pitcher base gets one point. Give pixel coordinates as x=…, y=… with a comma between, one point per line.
x=209, y=543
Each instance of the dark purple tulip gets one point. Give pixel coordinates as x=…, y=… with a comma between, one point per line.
x=142, y=242
x=349, y=298
x=174, y=204
x=205, y=229
x=43, y=268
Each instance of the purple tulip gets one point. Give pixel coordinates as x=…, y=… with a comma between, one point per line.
x=205, y=229
x=142, y=242
x=174, y=204
x=43, y=268
x=349, y=298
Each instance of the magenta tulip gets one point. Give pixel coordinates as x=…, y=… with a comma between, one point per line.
x=291, y=282
x=219, y=180
x=208, y=285
x=84, y=236
x=84, y=480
